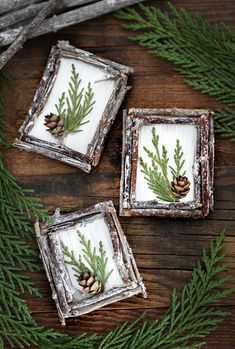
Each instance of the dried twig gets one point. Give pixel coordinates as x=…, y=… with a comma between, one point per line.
x=20, y=15
x=9, y=5
x=70, y=18
x=27, y=32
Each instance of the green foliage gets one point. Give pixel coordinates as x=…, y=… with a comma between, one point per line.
x=96, y=263
x=121, y=335
x=201, y=52
x=75, y=107
x=17, y=208
x=156, y=175
x=225, y=123
x=189, y=319
x=179, y=162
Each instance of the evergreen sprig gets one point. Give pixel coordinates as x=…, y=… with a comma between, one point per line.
x=156, y=175
x=75, y=107
x=201, y=52
x=179, y=161
x=90, y=260
x=225, y=123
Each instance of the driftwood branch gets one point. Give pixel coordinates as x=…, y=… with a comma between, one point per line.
x=21, y=15
x=14, y=5
x=72, y=17
x=26, y=32
x=8, y=5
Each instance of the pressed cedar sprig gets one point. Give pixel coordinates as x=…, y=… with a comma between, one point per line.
x=156, y=175
x=72, y=108
x=90, y=267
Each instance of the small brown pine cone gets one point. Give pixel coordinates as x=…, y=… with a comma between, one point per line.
x=89, y=283
x=180, y=187
x=54, y=124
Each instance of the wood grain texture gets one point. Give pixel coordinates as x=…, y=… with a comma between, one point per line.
x=165, y=249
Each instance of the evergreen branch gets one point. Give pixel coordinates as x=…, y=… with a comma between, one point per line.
x=89, y=255
x=179, y=162
x=97, y=263
x=16, y=251
x=77, y=265
x=75, y=107
x=225, y=123
x=102, y=261
x=118, y=338
x=191, y=316
x=20, y=334
x=201, y=52
x=60, y=107
x=11, y=275
x=156, y=175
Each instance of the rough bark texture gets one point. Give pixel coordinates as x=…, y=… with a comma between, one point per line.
x=204, y=160
x=25, y=33
x=60, y=152
x=20, y=15
x=7, y=5
x=53, y=260
x=72, y=17
x=165, y=249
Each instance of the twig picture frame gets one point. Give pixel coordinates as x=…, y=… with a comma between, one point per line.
x=126, y=280
x=111, y=88
x=137, y=192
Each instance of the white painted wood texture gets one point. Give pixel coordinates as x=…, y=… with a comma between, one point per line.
x=94, y=231
x=102, y=92
x=168, y=134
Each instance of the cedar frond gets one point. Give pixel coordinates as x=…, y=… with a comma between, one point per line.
x=156, y=175
x=179, y=161
x=74, y=107
x=191, y=316
x=90, y=260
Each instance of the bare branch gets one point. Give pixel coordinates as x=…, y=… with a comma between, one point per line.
x=27, y=32
x=21, y=15
x=9, y=5
x=72, y=17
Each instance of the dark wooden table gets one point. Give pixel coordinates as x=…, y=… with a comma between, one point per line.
x=165, y=249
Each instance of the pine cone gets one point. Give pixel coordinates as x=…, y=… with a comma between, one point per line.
x=180, y=187
x=89, y=283
x=54, y=124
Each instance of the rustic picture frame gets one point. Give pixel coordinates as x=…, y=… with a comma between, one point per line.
x=203, y=167
x=114, y=70
x=54, y=263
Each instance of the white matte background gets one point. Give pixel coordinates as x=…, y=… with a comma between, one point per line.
x=168, y=134
x=102, y=92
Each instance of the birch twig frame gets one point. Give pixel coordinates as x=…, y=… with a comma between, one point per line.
x=202, y=162
x=115, y=72
x=67, y=299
